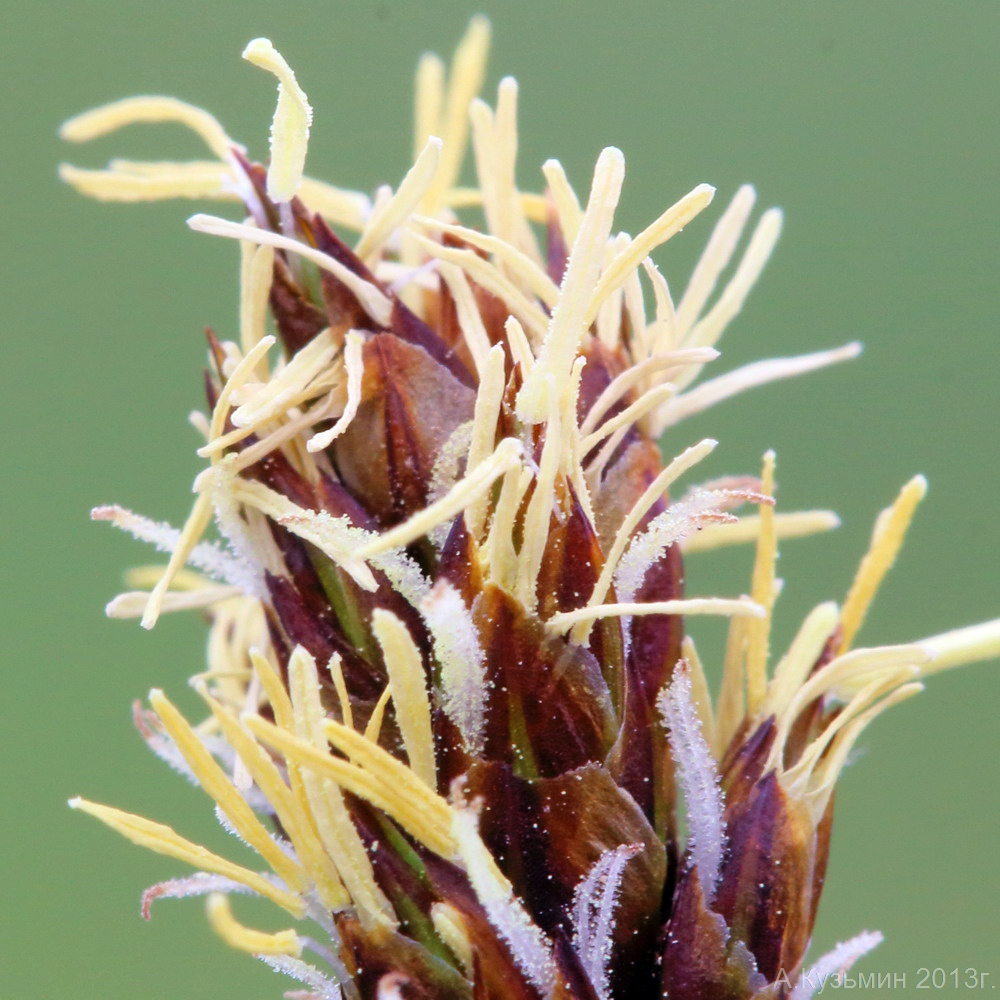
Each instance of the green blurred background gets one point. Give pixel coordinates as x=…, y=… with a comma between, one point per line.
x=873, y=124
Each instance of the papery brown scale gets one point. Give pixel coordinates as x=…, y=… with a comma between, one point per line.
x=458, y=562
x=510, y=824
x=743, y=763
x=410, y=406
x=547, y=701
x=321, y=637
x=572, y=560
x=642, y=761
x=586, y=813
x=602, y=366
x=701, y=960
x=765, y=886
x=574, y=983
x=373, y=954
x=297, y=319
x=496, y=975
x=623, y=483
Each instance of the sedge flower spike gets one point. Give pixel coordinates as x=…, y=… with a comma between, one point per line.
x=451, y=702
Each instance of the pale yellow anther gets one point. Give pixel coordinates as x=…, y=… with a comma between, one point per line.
x=740, y=606
x=374, y=727
x=465, y=491
x=217, y=784
x=671, y=222
x=654, y=492
x=764, y=592
x=132, y=110
x=961, y=646
x=243, y=938
x=797, y=524
x=195, y=526
x=295, y=821
x=408, y=684
x=290, y=125
x=887, y=539
x=397, y=209
x=570, y=318
x=256, y=272
x=332, y=817
x=464, y=80
x=164, y=840
x=450, y=927
x=135, y=182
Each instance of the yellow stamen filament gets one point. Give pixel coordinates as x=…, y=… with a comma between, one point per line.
x=336, y=670
x=731, y=703
x=519, y=264
x=797, y=524
x=354, y=366
x=637, y=374
x=499, y=555
x=715, y=391
x=428, y=99
x=826, y=773
x=469, y=319
x=486, y=274
x=646, y=403
x=163, y=840
x=243, y=938
x=539, y=511
x=135, y=182
x=133, y=603
x=290, y=125
x=408, y=685
x=764, y=592
x=844, y=674
x=132, y=110
x=567, y=206
x=887, y=539
x=517, y=341
x=795, y=666
x=338, y=205
x=708, y=330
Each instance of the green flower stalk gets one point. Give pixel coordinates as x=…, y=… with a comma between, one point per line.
x=452, y=702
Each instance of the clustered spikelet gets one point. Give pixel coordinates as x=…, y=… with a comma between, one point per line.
x=452, y=704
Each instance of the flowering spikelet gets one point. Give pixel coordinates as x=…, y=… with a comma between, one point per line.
x=451, y=701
